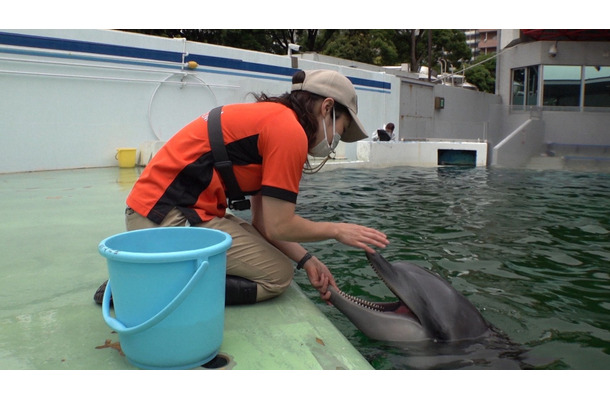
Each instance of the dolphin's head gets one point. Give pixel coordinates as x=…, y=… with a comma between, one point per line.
x=427, y=307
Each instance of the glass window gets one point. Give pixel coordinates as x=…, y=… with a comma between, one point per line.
x=518, y=82
x=561, y=85
x=597, y=86
x=532, y=86
x=525, y=86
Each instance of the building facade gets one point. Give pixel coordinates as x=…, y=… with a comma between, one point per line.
x=482, y=41
x=556, y=85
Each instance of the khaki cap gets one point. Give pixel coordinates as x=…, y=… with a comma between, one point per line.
x=327, y=83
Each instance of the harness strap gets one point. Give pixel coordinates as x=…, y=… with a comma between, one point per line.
x=224, y=166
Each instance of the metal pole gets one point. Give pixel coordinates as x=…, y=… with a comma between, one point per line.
x=429, y=55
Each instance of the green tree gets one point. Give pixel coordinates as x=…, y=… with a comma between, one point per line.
x=412, y=47
x=450, y=44
x=315, y=40
x=367, y=46
x=483, y=73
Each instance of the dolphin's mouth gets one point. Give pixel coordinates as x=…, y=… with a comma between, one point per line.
x=396, y=307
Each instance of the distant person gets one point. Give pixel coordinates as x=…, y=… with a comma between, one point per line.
x=384, y=135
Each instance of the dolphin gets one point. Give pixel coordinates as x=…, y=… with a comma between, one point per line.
x=428, y=307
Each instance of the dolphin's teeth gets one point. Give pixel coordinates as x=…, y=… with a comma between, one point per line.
x=370, y=305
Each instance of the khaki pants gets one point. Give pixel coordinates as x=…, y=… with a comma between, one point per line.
x=250, y=255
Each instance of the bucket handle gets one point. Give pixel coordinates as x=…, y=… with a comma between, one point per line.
x=121, y=328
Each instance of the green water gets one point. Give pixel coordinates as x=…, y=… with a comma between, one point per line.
x=530, y=249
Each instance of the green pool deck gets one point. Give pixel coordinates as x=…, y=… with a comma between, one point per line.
x=51, y=225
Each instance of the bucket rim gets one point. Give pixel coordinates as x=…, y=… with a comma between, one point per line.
x=160, y=257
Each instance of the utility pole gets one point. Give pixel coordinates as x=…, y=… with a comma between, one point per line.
x=429, y=55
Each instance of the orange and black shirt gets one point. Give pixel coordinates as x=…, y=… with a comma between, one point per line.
x=265, y=142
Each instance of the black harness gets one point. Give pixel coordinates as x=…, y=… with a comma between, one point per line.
x=224, y=166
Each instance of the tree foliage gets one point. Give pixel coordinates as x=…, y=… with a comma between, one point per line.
x=483, y=73
x=367, y=46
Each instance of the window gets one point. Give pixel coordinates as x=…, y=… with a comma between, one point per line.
x=525, y=86
x=561, y=85
x=532, y=86
x=597, y=87
x=518, y=82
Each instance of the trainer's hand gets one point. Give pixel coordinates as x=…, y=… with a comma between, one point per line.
x=320, y=277
x=361, y=236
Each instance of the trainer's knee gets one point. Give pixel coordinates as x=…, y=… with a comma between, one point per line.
x=277, y=282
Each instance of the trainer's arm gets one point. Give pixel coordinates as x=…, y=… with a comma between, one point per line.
x=277, y=221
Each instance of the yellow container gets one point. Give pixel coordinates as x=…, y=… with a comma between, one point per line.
x=126, y=157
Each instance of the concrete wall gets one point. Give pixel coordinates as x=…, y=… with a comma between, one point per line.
x=586, y=128
x=416, y=111
x=70, y=98
x=466, y=113
x=416, y=153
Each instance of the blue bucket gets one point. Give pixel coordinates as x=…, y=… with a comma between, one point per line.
x=168, y=290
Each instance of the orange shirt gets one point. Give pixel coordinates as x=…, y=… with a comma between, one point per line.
x=265, y=142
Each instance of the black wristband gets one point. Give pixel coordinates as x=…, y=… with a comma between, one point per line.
x=305, y=258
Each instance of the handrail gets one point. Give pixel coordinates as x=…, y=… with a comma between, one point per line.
x=512, y=134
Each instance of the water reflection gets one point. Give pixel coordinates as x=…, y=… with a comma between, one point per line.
x=126, y=177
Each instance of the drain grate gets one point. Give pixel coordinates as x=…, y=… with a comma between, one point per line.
x=221, y=361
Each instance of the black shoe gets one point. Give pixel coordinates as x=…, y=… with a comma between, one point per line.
x=239, y=290
x=98, y=297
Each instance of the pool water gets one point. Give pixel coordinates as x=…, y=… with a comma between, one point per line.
x=530, y=249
